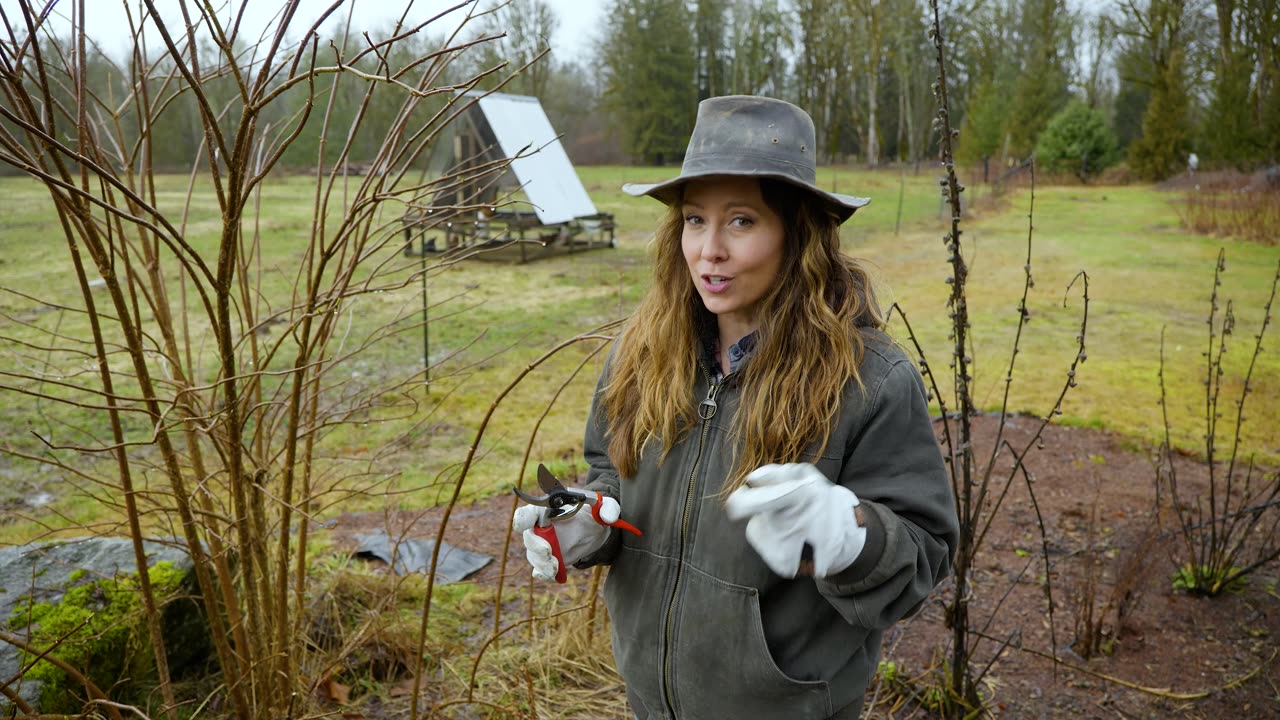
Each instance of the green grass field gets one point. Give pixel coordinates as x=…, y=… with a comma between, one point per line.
x=490, y=320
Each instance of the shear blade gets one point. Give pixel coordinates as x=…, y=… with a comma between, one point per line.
x=547, y=481
x=531, y=499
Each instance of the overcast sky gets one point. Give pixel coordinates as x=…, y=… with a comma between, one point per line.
x=579, y=19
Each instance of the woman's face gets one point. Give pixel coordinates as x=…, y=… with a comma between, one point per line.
x=733, y=243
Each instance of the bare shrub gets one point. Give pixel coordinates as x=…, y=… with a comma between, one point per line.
x=189, y=389
x=1232, y=529
x=979, y=488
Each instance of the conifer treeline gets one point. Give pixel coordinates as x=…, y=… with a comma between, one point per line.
x=1162, y=79
x=1168, y=77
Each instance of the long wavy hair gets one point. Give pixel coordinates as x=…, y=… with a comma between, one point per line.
x=807, y=348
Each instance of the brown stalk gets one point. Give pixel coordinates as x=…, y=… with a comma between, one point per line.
x=457, y=490
x=524, y=462
x=95, y=693
x=122, y=461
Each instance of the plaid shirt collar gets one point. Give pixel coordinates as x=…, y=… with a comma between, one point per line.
x=739, y=352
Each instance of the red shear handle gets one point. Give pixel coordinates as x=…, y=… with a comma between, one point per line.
x=548, y=533
x=619, y=523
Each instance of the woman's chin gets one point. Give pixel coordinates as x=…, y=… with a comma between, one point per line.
x=718, y=304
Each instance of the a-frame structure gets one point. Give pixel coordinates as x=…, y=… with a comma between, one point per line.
x=525, y=199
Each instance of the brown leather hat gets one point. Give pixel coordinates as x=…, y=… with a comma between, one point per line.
x=756, y=136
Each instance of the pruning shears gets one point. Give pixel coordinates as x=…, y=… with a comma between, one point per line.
x=564, y=503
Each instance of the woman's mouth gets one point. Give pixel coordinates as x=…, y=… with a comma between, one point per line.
x=716, y=283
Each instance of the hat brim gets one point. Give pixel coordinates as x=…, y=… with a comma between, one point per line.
x=668, y=192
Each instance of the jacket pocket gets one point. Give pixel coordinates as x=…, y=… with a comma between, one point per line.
x=636, y=593
x=721, y=664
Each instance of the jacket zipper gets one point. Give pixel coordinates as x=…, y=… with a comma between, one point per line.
x=706, y=411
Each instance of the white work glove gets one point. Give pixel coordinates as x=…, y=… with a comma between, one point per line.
x=578, y=536
x=790, y=505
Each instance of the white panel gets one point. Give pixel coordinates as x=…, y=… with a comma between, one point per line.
x=545, y=173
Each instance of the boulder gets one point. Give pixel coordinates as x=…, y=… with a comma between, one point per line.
x=46, y=589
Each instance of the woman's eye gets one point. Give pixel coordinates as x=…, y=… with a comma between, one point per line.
x=693, y=219
x=743, y=221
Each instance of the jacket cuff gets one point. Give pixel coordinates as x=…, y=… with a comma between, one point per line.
x=845, y=581
x=603, y=486
x=605, y=554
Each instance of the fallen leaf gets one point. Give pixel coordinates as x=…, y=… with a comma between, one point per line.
x=335, y=691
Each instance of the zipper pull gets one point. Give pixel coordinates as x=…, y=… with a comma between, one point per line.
x=707, y=409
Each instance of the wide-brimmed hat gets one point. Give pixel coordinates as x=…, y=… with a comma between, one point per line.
x=754, y=136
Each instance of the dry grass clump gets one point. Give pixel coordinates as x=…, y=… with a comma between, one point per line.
x=551, y=656
x=1234, y=205
x=361, y=627
x=555, y=661
x=570, y=663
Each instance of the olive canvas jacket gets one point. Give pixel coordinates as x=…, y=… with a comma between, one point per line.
x=702, y=628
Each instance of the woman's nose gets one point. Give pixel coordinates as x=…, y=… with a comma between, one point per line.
x=713, y=246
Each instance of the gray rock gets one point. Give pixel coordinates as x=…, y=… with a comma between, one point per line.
x=42, y=572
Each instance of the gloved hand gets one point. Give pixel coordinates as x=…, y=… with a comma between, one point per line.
x=791, y=505
x=577, y=537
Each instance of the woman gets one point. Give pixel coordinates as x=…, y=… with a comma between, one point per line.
x=758, y=589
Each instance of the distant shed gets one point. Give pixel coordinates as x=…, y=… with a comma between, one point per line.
x=513, y=131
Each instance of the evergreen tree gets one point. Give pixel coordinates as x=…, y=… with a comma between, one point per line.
x=1159, y=38
x=1230, y=133
x=1132, y=97
x=1261, y=22
x=993, y=74
x=1077, y=140
x=1270, y=121
x=1165, y=144
x=983, y=130
x=648, y=69
x=1230, y=136
x=711, y=47
x=1042, y=87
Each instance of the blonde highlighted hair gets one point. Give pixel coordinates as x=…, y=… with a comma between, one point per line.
x=807, y=347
